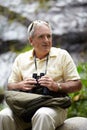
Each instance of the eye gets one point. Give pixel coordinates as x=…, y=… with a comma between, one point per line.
x=49, y=36
x=41, y=36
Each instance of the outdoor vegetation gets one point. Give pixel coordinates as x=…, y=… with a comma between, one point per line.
x=79, y=99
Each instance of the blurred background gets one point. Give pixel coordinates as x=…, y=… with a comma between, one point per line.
x=68, y=19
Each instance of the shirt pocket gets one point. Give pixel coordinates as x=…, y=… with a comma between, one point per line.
x=55, y=73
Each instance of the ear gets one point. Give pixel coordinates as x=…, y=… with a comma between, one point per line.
x=30, y=40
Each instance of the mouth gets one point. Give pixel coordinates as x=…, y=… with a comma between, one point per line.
x=44, y=45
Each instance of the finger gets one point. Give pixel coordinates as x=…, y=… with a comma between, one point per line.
x=28, y=87
x=30, y=82
x=30, y=79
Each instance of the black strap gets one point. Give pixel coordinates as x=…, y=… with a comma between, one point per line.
x=36, y=62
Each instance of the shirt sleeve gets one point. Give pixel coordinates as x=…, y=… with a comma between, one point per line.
x=15, y=73
x=69, y=68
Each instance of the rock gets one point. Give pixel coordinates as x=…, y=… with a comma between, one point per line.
x=1, y=98
x=67, y=17
x=74, y=123
x=6, y=62
x=1, y=95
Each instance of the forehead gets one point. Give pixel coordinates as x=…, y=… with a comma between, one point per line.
x=42, y=29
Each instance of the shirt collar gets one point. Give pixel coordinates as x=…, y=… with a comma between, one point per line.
x=51, y=53
x=31, y=53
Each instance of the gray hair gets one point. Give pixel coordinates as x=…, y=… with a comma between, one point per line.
x=32, y=26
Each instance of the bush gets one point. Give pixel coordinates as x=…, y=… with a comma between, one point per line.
x=79, y=103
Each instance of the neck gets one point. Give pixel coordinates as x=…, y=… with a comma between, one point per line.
x=40, y=56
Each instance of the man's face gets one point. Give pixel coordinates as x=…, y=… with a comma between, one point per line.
x=42, y=40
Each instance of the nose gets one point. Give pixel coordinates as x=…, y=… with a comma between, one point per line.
x=46, y=38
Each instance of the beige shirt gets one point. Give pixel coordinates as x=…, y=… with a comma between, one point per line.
x=60, y=66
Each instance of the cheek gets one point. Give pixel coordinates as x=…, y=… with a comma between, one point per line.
x=36, y=45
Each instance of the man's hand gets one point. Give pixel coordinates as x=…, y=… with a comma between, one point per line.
x=48, y=82
x=67, y=87
x=25, y=85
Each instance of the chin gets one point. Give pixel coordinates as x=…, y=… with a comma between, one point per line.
x=46, y=51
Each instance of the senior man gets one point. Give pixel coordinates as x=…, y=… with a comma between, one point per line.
x=59, y=75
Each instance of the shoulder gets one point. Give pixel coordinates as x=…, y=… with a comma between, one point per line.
x=23, y=57
x=27, y=54
x=61, y=54
x=59, y=51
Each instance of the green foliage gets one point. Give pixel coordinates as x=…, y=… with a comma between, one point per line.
x=44, y=4
x=1, y=106
x=24, y=49
x=79, y=99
